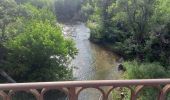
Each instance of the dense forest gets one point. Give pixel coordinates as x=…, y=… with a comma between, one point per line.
x=31, y=40
x=138, y=30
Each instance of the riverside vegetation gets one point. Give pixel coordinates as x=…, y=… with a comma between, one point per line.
x=31, y=43
x=32, y=47
x=138, y=30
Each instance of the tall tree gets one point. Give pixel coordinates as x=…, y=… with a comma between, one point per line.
x=8, y=11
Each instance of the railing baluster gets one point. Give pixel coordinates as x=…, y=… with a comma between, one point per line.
x=73, y=88
x=8, y=97
x=162, y=96
x=72, y=93
x=3, y=95
x=136, y=92
x=164, y=92
x=36, y=94
x=133, y=96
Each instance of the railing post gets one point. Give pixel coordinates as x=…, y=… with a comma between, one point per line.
x=72, y=94
x=36, y=94
x=164, y=91
x=3, y=95
x=161, y=96
x=8, y=98
x=133, y=97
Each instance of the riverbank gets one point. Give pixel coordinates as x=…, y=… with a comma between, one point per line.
x=109, y=47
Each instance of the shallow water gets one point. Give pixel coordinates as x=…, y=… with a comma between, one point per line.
x=92, y=62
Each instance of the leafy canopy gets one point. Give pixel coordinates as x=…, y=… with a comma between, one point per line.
x=40, y=53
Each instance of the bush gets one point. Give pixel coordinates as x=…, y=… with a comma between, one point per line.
x=95, y=29
x=135, y=70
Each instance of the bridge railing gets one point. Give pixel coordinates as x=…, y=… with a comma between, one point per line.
x=73, y=88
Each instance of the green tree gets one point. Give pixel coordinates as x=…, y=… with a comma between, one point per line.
x=8, y=24
x=40, y=53
x=8, y=9
x=38, y=3
x=86, y=11
x=67, y=10
x=135, y=29
x=28, y=12
x=128, y=27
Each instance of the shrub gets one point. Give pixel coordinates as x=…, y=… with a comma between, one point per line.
x=135, y=70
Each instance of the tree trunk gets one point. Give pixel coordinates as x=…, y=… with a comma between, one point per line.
x=2, y=37
x=6, y=76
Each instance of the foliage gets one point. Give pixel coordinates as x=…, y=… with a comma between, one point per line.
x=86, y=11
x=136, y=70
x=67, y=10
x=3, y=52
x=158, y=47
x=8, y=9
x=9, y=22
x=136, y=29
x=95, y=26
x=37, y=3
x=28, y=12
x=39, y=49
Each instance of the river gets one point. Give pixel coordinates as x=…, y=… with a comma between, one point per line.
x=93, y=62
